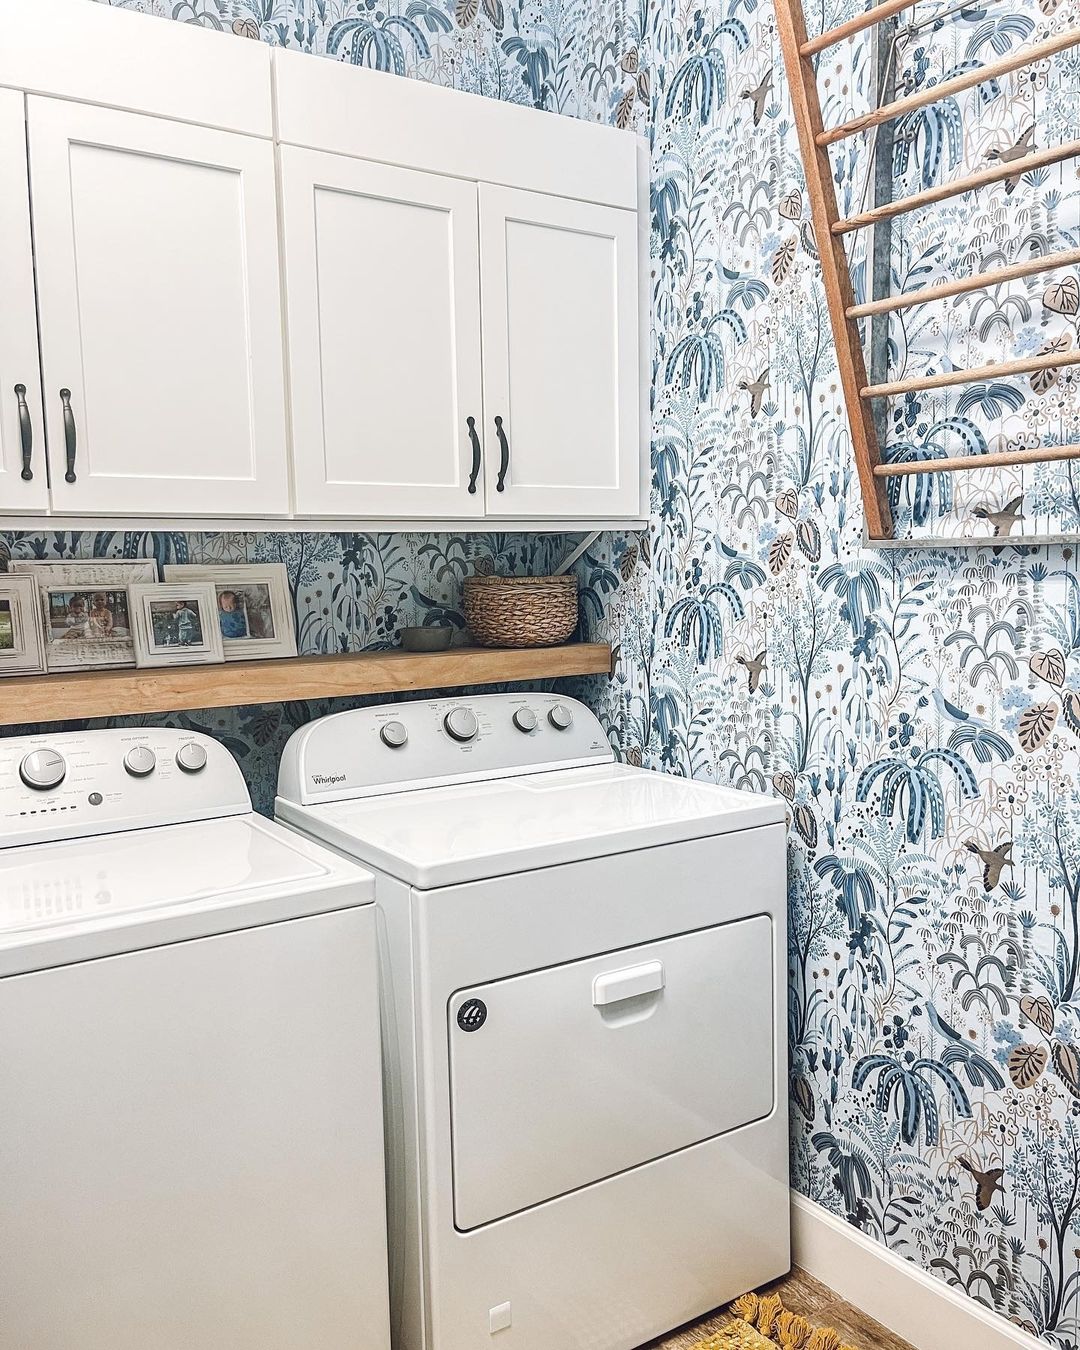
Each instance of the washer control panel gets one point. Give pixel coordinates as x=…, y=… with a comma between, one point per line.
x=438, y=741
x=72, y=784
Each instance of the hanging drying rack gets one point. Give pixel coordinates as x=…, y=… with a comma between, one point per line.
x=830, y=228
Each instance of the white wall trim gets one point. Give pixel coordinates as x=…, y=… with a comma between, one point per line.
x=915, y=1305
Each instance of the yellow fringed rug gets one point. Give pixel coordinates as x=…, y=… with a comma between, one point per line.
x=764, y=1323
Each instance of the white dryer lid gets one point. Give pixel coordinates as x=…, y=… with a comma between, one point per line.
x=84, y=898
x=468, y=832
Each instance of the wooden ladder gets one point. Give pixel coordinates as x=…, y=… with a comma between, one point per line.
x=829, y=229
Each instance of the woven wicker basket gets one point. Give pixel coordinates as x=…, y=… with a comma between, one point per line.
x=521, y=611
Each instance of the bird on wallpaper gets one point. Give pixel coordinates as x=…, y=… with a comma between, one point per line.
x=1017, y=150
x=952, y=713
x=986, y=1183
x=1004, y=518
x=753, y=669
x=756, y=390
x=759, y=96
x=993, y=861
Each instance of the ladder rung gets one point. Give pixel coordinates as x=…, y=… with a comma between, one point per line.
x=1004, y=459
x=994, y=371
x=934, y=93
x=1048, y=263
x=842, y=31
x=958, y=187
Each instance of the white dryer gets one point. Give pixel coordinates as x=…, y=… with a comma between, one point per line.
x=584, y=1009
x=190, y=1109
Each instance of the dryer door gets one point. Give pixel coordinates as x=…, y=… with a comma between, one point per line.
x=564, y=1076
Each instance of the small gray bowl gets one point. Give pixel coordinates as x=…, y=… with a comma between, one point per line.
x=427, y=639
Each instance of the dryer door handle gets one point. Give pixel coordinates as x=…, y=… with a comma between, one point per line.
x=615, y=986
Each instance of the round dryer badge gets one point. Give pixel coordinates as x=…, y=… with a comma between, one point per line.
x=472, y=1014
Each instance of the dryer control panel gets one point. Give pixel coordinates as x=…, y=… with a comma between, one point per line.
x=78, y=783
x=430, y=742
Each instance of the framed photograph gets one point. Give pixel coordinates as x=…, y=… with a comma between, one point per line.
x=254, y=606
x=87, y=628
x=176, y=624
x=22, y=646
x=82, y=574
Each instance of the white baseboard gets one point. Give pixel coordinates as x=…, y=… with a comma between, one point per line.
x=915, y=1305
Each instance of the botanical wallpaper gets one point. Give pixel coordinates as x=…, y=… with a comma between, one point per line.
x=919, y=708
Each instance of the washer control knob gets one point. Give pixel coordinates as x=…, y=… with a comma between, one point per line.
x=140, y=760
x=525, y=719
x=43, y=770
x=191, y=757
x=394, y=734
x=461, y=723
x=560, y=717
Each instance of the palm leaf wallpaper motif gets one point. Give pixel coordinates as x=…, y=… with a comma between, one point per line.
x=919, y=710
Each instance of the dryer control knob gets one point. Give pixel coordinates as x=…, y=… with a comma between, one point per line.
x=394, y=734
x=191, y=757
x=461, y=723
x=525, y=719
x=560, y=717
x=140, y=760
x=43, y=770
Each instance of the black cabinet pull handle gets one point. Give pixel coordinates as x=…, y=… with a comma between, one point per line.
x=69, y=435
x=471, y=422
x=26, y=433
x=504, y=455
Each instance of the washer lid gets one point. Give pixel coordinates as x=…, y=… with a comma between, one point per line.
x=448, y=835
x=84, y=898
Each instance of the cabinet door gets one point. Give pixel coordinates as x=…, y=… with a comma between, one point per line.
x=24, y=481
x=160, y=313
x=560, y=344
x=383, y=317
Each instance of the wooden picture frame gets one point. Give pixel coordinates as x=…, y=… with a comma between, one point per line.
x=175, y=624
x=22, y=641
x=255, y=609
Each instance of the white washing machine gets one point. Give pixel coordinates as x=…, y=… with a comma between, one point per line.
x=190, y=1100
x=584, y=1007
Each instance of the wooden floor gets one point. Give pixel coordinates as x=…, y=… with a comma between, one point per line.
x=820, y=1306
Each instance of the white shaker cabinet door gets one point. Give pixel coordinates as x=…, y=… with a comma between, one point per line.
x=560, y=345
x=24, y=481
x=383, y=301
x=160, y=311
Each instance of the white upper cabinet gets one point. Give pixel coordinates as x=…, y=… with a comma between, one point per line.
x=160, y=315
x=242, y=285
x=24, y=483
x=560, y=351
x=383, y=316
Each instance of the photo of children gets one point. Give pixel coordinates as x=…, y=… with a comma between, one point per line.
x=254, y=606
x=87, y=627
x=176, y=623
x=87, y=616
x=246, y=612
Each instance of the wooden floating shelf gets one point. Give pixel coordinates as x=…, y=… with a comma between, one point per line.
x=119, y=693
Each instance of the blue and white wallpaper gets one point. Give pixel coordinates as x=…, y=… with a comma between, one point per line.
x=918, y=708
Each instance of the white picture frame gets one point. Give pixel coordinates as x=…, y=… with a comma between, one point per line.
x=83, y=573
x=175, y=624
x=86, y=626
x=22, y=641
x=255, y=609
